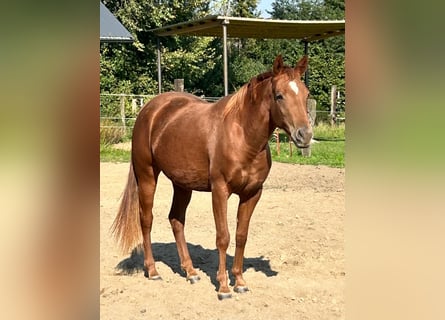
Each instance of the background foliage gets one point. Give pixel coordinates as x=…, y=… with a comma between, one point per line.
x=131, y=68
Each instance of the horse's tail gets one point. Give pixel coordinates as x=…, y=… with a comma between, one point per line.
x=126, y=227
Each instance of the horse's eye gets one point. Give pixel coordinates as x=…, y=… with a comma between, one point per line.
x=279, y=96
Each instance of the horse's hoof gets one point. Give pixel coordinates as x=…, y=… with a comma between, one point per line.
x=193, y=279
x=224, y=295
x=241, y=289
x=155, y=278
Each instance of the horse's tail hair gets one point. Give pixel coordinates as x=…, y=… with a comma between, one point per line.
x=126, y=227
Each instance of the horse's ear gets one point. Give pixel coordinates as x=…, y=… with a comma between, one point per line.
x=302, y=65
x=278, y=64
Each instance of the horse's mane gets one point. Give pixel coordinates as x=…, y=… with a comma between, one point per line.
x=237, y=99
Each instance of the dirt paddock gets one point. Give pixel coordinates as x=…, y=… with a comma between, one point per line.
x=294, y=260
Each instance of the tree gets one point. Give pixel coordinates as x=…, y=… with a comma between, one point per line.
x=235, y=8
x=297, y=10
x=133, y=67
x=326, y=57
x=244, y=8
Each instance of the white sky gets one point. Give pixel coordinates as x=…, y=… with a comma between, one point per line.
x=263, y=6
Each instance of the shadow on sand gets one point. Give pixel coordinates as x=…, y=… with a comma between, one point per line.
x=204, y=259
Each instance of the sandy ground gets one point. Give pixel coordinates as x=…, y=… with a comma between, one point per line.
x=294, y=260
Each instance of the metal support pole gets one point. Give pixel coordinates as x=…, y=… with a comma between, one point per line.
x=225, y=60
x=158, y=49
x=306, y=74
x=333, y=105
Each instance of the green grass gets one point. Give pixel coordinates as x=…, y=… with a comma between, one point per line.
x=110, y=154
x=326, y=131
x=329, y=152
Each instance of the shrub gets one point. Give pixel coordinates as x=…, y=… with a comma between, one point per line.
x=111, y=132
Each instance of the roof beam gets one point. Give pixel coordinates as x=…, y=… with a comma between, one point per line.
x=256, y=28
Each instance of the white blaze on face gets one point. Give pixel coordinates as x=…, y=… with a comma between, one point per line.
x=293, y=86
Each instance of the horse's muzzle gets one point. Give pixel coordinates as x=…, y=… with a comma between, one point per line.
x=302, y=137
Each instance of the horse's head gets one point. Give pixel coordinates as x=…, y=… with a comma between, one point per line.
x=288, y=106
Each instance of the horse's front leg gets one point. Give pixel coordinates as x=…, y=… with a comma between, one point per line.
x=245, y=210
x=220, y=195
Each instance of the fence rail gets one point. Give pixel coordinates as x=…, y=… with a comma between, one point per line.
x=119, y=111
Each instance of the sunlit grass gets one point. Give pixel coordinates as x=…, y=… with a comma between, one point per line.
x=324, y=130
x=328, y=150
x=110, y=154
x=329, y=153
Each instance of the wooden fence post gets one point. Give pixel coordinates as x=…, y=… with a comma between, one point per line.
x=312, y=110
x=123, y=112
x=277, y=136
x=312, y=113
x=179, y=85
x=290, y=147
x=134, y=105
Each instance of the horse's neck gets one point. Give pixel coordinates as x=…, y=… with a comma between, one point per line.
x=254, y=116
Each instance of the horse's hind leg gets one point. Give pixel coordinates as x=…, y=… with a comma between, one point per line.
x=181, y=199
x=147, y=179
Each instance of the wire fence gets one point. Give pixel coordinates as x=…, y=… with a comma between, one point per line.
x=118, y=114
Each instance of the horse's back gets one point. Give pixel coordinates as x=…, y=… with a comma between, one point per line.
x=169, y=103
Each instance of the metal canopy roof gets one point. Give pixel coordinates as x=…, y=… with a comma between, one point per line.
x=224, y=27
x=307, y=30
x=111, y=30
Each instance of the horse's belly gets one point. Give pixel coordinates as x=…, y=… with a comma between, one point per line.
x=189, y=179
x=185, y=169
x=182, y=156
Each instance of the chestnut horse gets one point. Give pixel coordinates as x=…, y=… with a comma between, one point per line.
x=219, y=147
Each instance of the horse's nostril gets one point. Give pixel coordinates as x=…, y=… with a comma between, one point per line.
x=299, y=134
x=304, y=134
